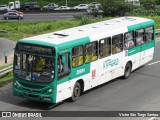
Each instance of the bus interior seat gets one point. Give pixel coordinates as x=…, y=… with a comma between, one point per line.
x=73, y=62
x=80, y=60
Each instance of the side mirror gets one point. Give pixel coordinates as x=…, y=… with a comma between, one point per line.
x=5, y=59
x=63, y=60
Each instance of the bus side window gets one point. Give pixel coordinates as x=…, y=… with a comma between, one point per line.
x=128, y=40
x=139, y=37
x=77, y=56
x=117, y=43
x=149, y=33
x=63, y=68
x=105, y=47
x=91, y=50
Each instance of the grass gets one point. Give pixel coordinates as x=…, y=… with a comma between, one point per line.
x=19, y=30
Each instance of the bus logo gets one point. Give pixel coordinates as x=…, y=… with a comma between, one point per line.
x=94, y=73
x=80, y=71
x=110, y=63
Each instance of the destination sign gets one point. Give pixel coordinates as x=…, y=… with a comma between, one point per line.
x=35, y=49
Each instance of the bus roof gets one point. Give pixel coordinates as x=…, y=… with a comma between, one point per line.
x=90, y=30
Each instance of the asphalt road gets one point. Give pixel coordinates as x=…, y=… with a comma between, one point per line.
x=45, y=17
x=141, y=92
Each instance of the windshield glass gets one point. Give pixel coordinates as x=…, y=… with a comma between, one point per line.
x=33, y=68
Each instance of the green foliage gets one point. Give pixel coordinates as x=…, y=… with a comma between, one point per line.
x=150, y=1
x=87, y=19
x=142, y=11
x=19, y=30
x=116, y=7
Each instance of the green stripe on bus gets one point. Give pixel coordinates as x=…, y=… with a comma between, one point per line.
x=145, y=46
x=141, y=48
x=76, y=72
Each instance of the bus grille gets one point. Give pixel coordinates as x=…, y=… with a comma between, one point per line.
x=30, y=95
x=31, y=86
x=29, y=90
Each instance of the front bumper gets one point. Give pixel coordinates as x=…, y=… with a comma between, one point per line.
x=51, y=98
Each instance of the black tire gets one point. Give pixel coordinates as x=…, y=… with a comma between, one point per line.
x=127, y=70
x=7, y=18
x=76, y=92
x=5, y=10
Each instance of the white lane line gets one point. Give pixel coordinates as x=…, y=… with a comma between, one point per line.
x=154, y=63
x=154, y=118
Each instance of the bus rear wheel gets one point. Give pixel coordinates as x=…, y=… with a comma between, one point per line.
x=76, y=92
x=127, y=70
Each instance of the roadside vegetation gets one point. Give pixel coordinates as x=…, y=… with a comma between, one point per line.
x=120, y=8
x=20, y=30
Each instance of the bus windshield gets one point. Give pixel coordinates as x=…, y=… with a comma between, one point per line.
x=33, y=68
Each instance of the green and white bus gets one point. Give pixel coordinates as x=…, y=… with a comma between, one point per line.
x=60, y=65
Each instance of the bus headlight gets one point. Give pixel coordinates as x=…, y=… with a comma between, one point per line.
x=17, y=85
x=48, y=91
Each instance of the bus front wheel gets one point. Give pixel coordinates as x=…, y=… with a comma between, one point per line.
x=127, y=70
x=76, y=92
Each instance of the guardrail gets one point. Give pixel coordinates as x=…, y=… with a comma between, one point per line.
x=4, y=31
x=6, y=70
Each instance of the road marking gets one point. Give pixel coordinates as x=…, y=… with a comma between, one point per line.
x=154, y=63
x=154, y=118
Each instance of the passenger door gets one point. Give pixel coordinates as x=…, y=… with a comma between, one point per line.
x=147, y=49
x=139, y=40
x=104, y=54
x=64, y=70
x=115, y=61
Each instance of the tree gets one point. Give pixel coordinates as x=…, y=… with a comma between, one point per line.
x=116, y=7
